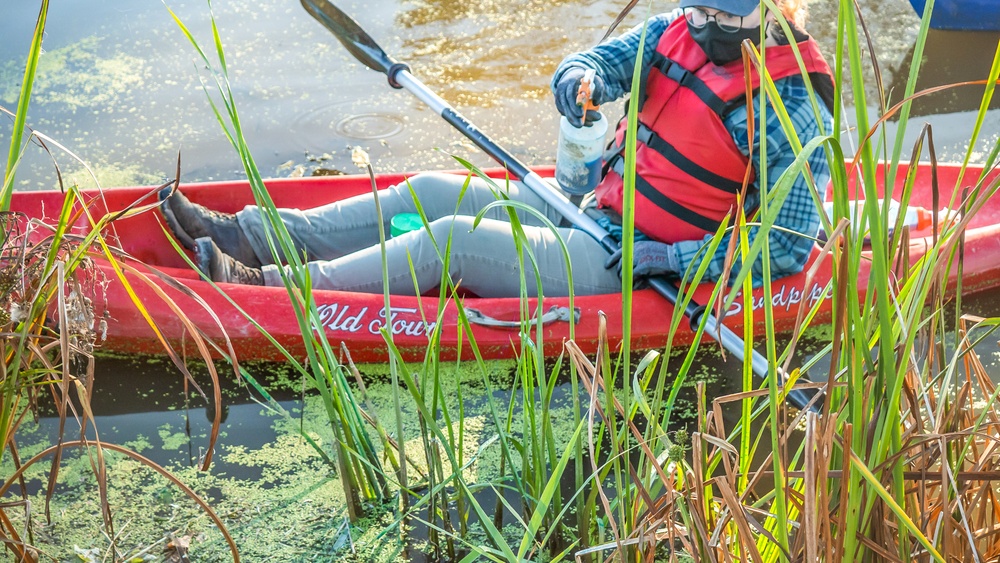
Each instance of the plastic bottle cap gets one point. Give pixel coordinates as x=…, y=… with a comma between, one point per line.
x=404, y=223
x=924, y=218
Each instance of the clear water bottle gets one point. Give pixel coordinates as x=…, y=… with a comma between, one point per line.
x=578, y=158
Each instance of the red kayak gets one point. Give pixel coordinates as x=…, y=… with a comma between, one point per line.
x=356, y=318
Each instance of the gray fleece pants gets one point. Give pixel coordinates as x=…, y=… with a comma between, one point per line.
x=341, y=242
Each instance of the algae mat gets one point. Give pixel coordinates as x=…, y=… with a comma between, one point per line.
x=278, y=499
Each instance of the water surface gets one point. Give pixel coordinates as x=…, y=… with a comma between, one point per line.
x=121, y=88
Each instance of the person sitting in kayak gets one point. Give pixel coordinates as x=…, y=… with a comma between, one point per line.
x=693, y=152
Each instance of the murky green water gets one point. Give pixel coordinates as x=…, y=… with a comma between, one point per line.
x=119, y=88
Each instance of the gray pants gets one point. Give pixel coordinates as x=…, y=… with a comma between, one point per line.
x=341, y=242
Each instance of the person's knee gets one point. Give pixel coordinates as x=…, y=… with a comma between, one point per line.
x=457, y=228
x=425, y=185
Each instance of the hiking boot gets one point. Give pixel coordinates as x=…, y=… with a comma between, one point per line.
x=223, y=268
x=190, y=221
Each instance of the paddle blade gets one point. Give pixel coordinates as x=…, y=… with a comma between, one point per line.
x=355, y=39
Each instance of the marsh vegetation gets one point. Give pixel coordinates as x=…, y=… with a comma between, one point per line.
x=622, y=455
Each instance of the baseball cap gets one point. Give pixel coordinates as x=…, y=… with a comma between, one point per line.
x=735, y=7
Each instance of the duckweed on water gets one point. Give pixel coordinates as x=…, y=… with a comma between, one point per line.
x=292, y=509
x=139, y=444
x=172, y=441
x=76, y=76
x=288, y=513
x=112, y=176
x=279, y=501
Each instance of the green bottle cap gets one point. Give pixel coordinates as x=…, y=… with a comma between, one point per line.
x=404, y=223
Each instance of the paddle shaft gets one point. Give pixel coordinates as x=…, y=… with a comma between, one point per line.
x=726, y=337
x=364, y=48
x=571, y=212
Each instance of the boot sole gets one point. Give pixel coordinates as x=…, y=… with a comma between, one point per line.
x=203, y=252
x=168, y=215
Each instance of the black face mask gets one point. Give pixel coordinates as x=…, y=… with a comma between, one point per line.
x=721, y=46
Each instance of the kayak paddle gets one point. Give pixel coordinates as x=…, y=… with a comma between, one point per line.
x=367, y=51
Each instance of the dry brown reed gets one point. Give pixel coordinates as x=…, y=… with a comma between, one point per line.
x=951, y=474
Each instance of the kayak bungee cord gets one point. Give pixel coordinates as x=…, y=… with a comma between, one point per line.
x=368, y=52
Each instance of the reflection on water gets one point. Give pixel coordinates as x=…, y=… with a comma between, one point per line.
x=124, y=93
x=142, y=402
x=951, y=57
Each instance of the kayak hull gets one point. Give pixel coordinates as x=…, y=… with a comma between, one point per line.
x=962, y=15
x=187, y=304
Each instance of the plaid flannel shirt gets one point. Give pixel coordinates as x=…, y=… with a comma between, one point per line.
x=613, y=60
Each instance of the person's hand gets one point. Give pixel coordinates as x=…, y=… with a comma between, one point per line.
x=649, y=259
x=566, y=91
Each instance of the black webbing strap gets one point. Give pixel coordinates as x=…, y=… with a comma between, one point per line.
x=660, y=200
x=688, y=166
x=658, y=144
x=687, y=79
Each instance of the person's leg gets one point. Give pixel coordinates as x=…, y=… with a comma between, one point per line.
x=483, y=261
x=344, y=227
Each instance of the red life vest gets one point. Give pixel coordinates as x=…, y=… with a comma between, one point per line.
x=688, y=167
